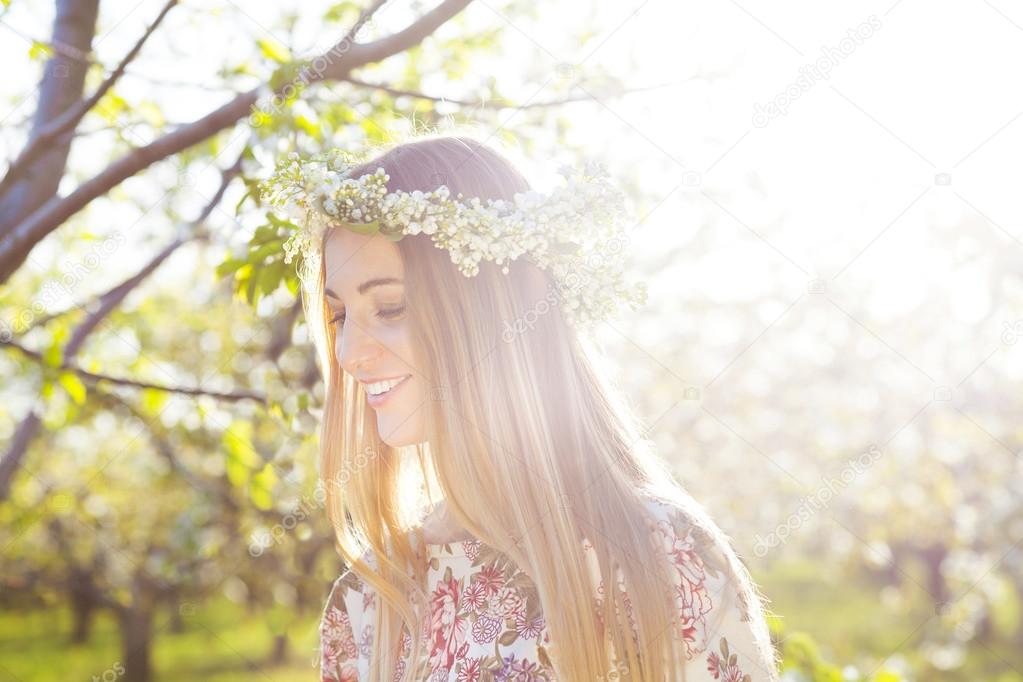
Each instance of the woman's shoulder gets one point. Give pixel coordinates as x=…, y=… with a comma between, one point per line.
x=721, y=620
x=349, y=597
x=341, y=630
x=685, y=531
x=350, y=591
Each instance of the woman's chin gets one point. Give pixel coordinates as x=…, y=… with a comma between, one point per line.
x=396, y=439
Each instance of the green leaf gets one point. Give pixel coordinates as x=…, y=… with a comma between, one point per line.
x=259, y=255
x=252, y=290
x=38, y=50
x=261, y=487
x=288, y=73
x=53, y=356
x=111, y=106
x=153, y=400
x=281, y=222
x=260, y=119
x=364, y=228
x=74, y=386
x=263, y=234
x=228, y=266
x=272, y=49
x=248, y=193
x=342, y=11
x=241, y=454
x=307, y=125
x=270, y=276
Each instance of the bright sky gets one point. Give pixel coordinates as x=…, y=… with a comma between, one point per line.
x=884, y=178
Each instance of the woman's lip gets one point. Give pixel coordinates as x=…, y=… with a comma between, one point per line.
x=376, y=401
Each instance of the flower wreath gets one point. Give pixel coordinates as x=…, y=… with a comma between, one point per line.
x=577, y=232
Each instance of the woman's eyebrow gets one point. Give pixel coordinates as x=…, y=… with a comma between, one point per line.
x=368, y=284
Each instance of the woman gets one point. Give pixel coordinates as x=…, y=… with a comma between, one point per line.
x=458, y=389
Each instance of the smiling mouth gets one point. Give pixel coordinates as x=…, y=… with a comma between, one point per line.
x=378, y=392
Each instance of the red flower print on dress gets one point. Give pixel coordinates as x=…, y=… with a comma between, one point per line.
x=725, y=667
x=349, y=673
x=491, y=578
x=528, y=628
x=447, y=624
x=506, y=603
x=691, y=595
x=471, y=670
x=471, y=549
x=474, y=599
x=337, y=643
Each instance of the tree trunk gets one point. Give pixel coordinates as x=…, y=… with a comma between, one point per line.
x=136, y=643
x=60, y=88
x=933, y=558
x=82, y=609
x=280, y=650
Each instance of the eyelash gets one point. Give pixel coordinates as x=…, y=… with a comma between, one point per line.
x=383, y=314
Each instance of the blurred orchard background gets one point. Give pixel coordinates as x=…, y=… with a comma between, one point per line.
x=830, y=359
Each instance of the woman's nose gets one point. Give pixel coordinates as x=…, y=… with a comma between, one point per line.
x=355, y=347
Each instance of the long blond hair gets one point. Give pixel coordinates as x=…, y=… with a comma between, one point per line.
x=531, y=447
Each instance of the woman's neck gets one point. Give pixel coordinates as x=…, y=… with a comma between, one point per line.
x=439, y=528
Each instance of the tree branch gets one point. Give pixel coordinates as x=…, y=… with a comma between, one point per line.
x=410, y=36
x=337, y=62
x=158, y=436
x=60, y=88
x=93, y=377
x=398, y=92
x=26, y=431
x=70, y=117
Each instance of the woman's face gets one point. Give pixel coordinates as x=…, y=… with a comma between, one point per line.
x=365, y=293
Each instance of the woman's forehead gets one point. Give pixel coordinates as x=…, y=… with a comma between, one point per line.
x=350, y=259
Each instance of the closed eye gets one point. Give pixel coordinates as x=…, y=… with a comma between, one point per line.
x=383, y=313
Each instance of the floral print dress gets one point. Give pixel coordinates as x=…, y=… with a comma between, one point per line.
x=486, y=622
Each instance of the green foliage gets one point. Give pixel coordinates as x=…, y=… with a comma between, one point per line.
x=222, y=641
x=245, y=468
x=273, y=50
x=39, y=51
x=262, y=270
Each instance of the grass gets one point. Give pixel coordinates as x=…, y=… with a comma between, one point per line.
x=852, y=622
x=220, y=643
x=855, y=622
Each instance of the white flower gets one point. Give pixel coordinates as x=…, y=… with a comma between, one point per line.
x=587, y=212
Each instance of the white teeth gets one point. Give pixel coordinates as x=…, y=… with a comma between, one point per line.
x=379, y=387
